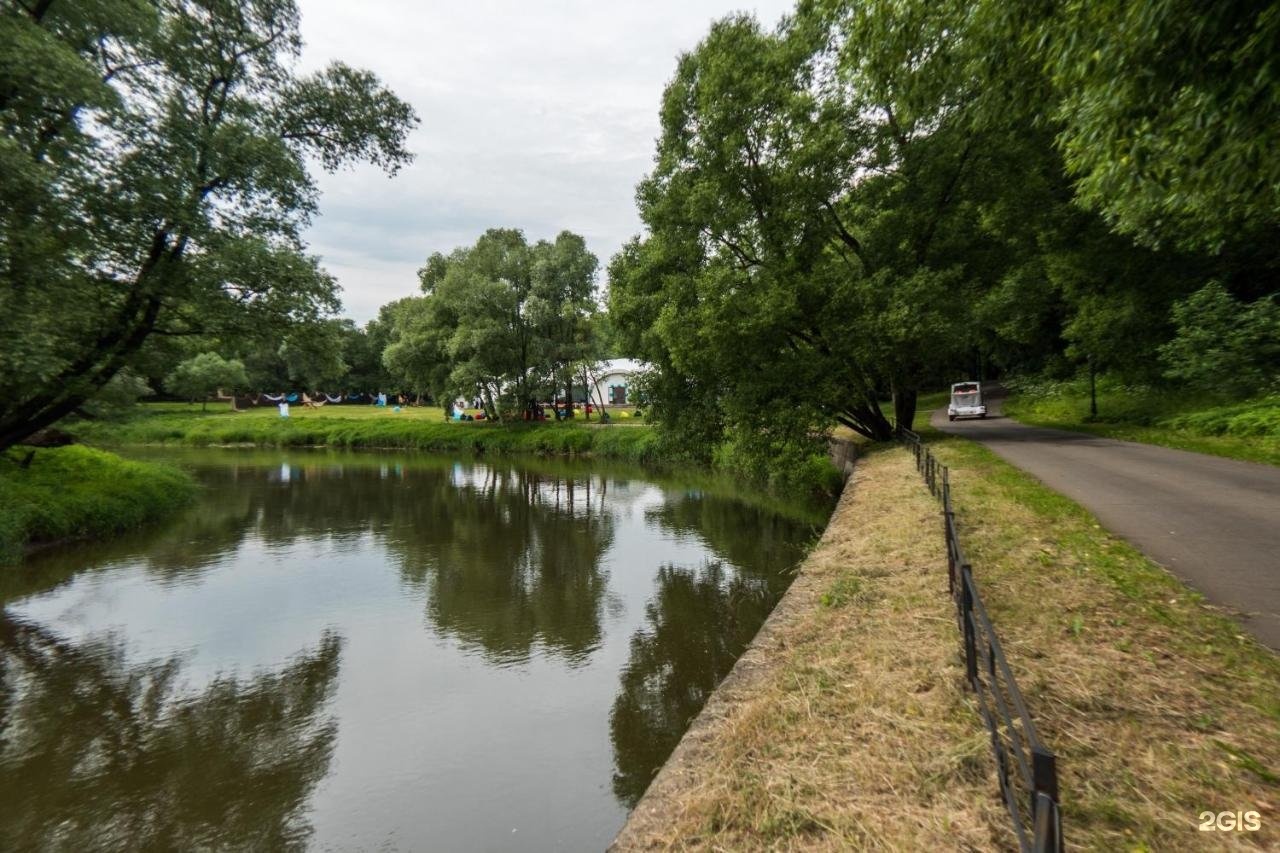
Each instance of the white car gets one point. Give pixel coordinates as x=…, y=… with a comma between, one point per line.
x=966, y=401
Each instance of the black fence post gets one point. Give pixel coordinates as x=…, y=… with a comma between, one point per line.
x=1043, y=832
x=966, y=619
x=1044, y=800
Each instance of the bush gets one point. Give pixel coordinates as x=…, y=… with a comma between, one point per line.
x=1223, y=345
x=74, y=492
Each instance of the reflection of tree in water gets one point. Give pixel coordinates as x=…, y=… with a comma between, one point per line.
x=699, y=622
x=510, y=560
x=508, y=557
x=759, y=542
x=97, y=753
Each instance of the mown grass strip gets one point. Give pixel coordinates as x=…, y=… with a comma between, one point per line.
x=847, y=724
x=1158, y=706
x=374, y=428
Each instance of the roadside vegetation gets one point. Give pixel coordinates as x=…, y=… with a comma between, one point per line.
x=76, y=492
x=1159, y=706
x=850, y=705
x=1179, y=418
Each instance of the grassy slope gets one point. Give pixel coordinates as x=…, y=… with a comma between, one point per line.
x=366, y=426
x=846, y=726
x=1159, y=706
x=72, y=492
x=1247, y=430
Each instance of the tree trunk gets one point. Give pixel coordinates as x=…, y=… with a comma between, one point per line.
x=102, y=360
x=904, y=407
x=491, y=410
x=1093, y=391
x=867, y=420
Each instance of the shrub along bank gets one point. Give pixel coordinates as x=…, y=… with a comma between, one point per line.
x=1186, y=420
x=76, y=492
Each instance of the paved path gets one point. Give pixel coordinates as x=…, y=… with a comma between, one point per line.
x=1213, y=522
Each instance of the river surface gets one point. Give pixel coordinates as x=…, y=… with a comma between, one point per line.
x=346, y=651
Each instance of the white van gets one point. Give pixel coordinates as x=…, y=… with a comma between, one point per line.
x=966, y=401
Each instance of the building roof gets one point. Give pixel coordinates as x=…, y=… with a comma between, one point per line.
x=620, y=365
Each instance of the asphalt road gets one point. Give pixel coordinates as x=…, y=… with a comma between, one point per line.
x=1213, y=522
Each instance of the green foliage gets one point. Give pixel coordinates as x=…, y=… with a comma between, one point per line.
x=504, y=317
x=118, y=397
x=154, y=179
x=313, y=354
x=73, y=492
x=1168, y=111
x=787, y=465
x=1223, y=345
x=886, y=195
x=202, y=375
x=814, y=241
x=1202, y=421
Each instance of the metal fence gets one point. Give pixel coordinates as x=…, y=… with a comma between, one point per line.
x=1026, y=769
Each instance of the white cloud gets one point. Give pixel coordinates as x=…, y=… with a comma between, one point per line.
x=540, y=116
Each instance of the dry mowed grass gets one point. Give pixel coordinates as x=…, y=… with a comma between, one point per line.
x=846, y=725
x=1158, y=707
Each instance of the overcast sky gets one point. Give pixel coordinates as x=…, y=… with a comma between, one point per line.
x=535, y=115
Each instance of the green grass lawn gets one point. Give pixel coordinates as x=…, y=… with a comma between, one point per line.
x=76, y=492
x=359, y=411
x=420, y=428
x=1248, y=430
x=268, y=411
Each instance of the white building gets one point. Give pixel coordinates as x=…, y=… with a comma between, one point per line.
x=612, y=382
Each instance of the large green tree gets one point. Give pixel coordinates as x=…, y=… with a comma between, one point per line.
x=883, y=195
x=200, y=376
x=1167, y=111
x=505, y=317
x=811, y=219
x=154, y=178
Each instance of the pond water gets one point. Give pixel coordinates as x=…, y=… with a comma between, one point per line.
x=378, y=652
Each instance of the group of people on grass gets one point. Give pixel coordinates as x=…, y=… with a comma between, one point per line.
x=377, y=399
x=534, y=410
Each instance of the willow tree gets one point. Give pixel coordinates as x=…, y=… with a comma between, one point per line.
x=810, y=219
x=1167, y=111
x=154, y=181
x=502, y=315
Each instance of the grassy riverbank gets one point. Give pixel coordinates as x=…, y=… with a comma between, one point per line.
x=1158, y=706
x=1248, y=430
x=366, y=426
x=847, y=724
x=77, y=492
x=625, y=439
